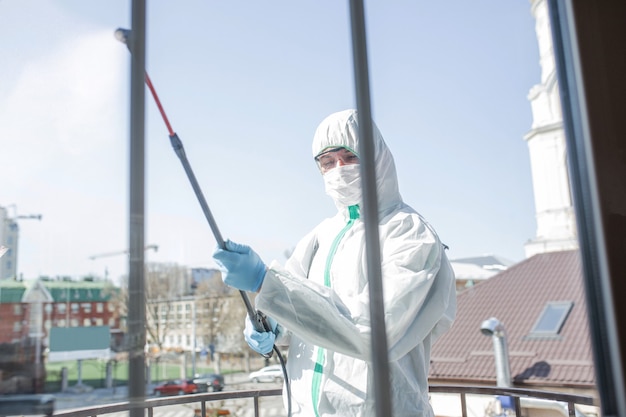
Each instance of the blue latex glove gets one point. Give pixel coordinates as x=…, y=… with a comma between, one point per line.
x=260, y=342
x=241, y=266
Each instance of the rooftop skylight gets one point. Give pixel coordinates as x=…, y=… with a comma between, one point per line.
x=552, y=319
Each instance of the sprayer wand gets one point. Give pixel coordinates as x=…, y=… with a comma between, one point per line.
x=258, y=319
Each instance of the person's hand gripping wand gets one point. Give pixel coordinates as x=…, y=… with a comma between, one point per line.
x=257, y=318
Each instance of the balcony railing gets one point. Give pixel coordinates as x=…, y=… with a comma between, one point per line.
x=152, y=403
x=517, y=394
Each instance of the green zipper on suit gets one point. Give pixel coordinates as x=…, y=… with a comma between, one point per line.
x=319, y=363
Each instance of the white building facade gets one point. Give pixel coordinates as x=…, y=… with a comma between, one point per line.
x=556, y=223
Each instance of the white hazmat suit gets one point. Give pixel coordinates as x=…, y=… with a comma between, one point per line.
x=320, y=297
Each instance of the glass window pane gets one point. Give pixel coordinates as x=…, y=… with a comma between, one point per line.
x=552, y=318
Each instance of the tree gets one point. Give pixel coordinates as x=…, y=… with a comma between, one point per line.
x=118, y=297
x=220, y=318
x=170, y=294
x=165, y=283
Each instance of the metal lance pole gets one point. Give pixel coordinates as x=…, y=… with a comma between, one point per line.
x=258, y=319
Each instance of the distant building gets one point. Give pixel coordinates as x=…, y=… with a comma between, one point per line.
x=471, y=271
x=173, y=324
x=556, y=223
x=194, y=323
x=554, y=211
x=200, y=275
x=541, y=304
x=31, y=309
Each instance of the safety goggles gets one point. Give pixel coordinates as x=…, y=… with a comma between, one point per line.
x=331, y=158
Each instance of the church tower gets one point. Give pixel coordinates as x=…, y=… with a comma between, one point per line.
x=554, y=211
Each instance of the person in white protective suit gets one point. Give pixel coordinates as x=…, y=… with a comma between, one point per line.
x=319, y=302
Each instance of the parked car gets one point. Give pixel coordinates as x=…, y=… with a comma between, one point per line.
x=209, y=382
x=176, y=387
x=25, y=404
x=272, y=373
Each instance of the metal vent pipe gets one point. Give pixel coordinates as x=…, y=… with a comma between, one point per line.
x=494, y=328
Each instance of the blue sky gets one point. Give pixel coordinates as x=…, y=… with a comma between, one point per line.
x=245, y=84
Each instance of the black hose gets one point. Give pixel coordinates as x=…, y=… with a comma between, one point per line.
x=286, y=378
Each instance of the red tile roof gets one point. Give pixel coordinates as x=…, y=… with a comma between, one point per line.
x=517, y=297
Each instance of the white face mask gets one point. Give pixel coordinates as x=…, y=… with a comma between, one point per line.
x=343, y=184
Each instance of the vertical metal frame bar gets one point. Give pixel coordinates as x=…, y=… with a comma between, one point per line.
x=463, y=405
x=136, y=336
x=584, y=182
x=256, y=406
x=518, y=406
x=571, y=410
x=380, y=358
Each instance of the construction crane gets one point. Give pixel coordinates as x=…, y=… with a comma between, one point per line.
x=122, y=252
x=30, y=216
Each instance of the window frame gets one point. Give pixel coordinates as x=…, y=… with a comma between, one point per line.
x=558, y=325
